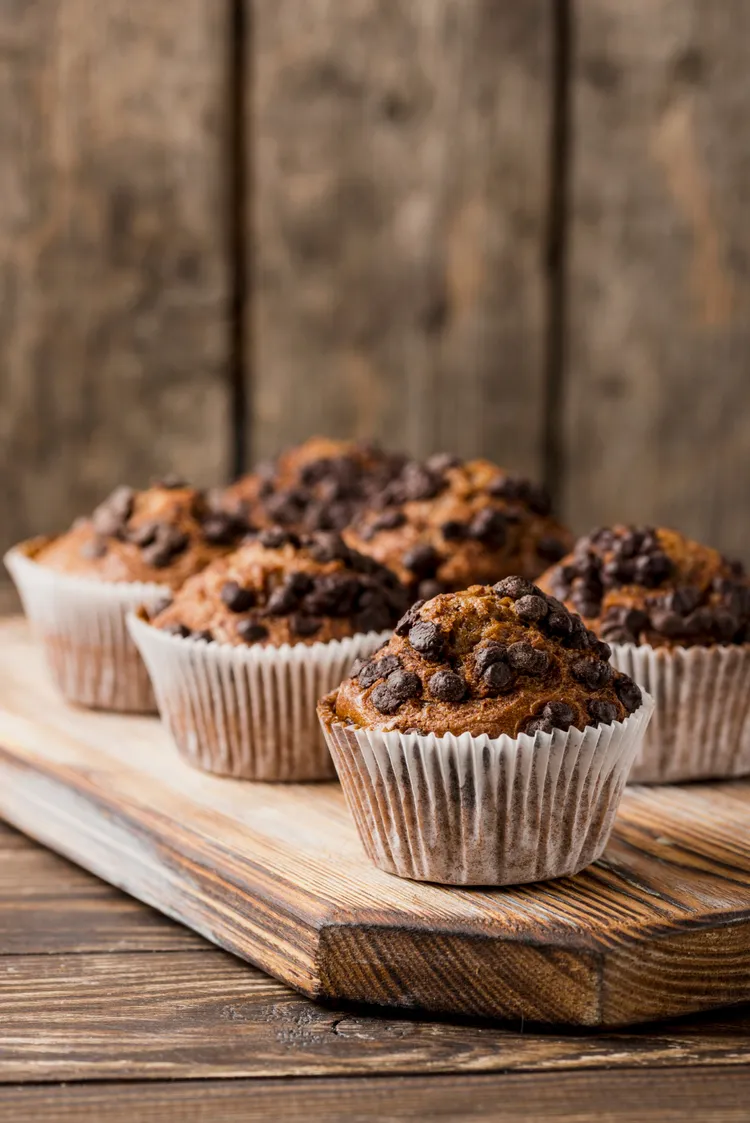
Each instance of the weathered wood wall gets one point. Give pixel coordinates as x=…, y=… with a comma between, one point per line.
x=509, y=229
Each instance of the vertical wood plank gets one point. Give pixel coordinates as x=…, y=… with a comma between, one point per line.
x=113, y=271
x=658, y=390
x=398, y=189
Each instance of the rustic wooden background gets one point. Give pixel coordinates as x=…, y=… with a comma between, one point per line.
x=516, y=229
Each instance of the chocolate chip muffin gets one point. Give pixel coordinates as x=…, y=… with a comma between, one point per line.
x=319, y=485
x=244, y=650
x=445, y=524
x=163, y=535
x=507, y=659
x=488, y=742
x=78, y=588
x=647, y=585
x=677, y=615
x=284, y=588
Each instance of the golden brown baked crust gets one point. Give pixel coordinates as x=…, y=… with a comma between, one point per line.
x=446, y=524
x=164, y=535
x=648, y=585
x=280, y=588
x=506, y=659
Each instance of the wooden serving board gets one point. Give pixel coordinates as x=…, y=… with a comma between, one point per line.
x=276, y=874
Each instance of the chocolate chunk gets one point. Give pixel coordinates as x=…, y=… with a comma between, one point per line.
x=527, y=659
x=497, y=677
x=389, y=520
x=236, y=598
x=515, y=587
x=430, y=588
x=302, y=625
x=531, y=609
x=251, y=631
x=550, y=548
x=327, y=547
x=559, y=623
x=683, y=600
x=408, y=619
x=333, y=594
x=666, y=622
x=539, y=725
x=618, y=571
x=418, y=482
x=629, y=693
x=603, y=713
x=204, y=634
x=398, y=688
x=454, y=531
x=168, y=544
x=378, y=668
x=555, y=715
x=492, y=652
x=144, y=534
x=516, y=489
x=603, y=650
x=94, y=548
x=110, y=517
x=286, y=597
x=447, y=686
x=275, y=538
x=177, y=630
x=427, y=639
x=423, y=561
x=593, y=673
x=586, y=601
x=490, y=528
x=222, y=529
x=652, y=569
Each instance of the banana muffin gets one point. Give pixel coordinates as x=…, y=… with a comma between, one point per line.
x=677, y=615
x=488, y=741
x=444, y=524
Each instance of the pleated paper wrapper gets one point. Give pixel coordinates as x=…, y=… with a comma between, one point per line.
x=248, y=712
x=464, y=810
x=701, y=725
x=81, y=626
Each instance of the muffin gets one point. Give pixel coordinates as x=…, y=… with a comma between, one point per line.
x=78, y=587
x=445, y=524
x=677, y=614
x=488, y=742
x=319, y=485
x=240, y=655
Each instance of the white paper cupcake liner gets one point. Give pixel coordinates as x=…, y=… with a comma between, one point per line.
x=484, y=811
x=248, y=712
x=701, y=725
x=80, y=623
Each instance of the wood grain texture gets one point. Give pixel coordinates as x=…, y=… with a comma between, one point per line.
x=398, y=189
x=713, y=1096
x=658, y=287
x=113, y=273
x=276, y=874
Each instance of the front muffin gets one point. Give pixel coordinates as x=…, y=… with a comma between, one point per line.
x=677, y=615
x=77, y=588
x=445, y=524
x=488, y=741
x=243, y=651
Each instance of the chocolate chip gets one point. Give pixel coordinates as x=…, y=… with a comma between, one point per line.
x=419, y=482
x=286, y=597
x=275, y=538
x=408, y=619
x=430, y=588
x=251, y=631
x=603, y=650
x=327, y=547
x=539, y=725
x=527, y=659
x=177, y=630
x=222, y=529
x=550, y=548
x=378, y=668
x=423, y=561
x=447, y=686
x=492, y=652
x=94, y=548
x=490, y=528
x=629, y=693
x=559, y=622
x=110, y=517
x=531, y=609
x=236, y=598
x=167, y=545
x=440, y=462
x=515, y=588
x=652, y=569
x=454, y=531
x=516, y=489
x=618, y=571
x=333, y=594
x=302, y=625
x=666, y=622
x=593, y=673
x=585, y=600
x=389, y=520
x=171, y=481
x=204, y=634
x=555, y=715
x=427, y=639
x=683, y=600
x=398, y=688
x=601, y=712
x=497, y=677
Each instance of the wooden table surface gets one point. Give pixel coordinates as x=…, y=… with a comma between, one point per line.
x=109, y=1010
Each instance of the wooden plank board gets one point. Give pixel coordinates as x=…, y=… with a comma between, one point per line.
x=398, y=160
x=657, y=424
x=712, y=1096
x=276, y=874
x=113, y=262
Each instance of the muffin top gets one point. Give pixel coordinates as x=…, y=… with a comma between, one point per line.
x=647, y=585
x=506, y=659
x=444, y=524
x=282, y=588
x=319, y=485
x=164, y=534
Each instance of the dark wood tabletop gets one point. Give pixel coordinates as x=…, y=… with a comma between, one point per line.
x=109, y=1010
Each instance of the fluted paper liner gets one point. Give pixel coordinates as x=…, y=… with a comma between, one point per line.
x=248, y=712
x=465, y=810
x=80, y=623
x=701, y=725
